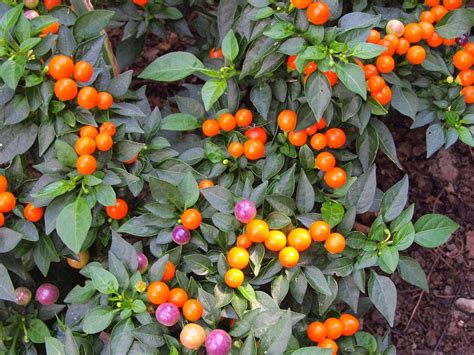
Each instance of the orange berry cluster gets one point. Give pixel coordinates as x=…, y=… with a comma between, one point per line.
x=288, y=247
x=91, y=138
x=8, y=203
x=253, y=148
x=158, y=293
x=318, y=12
x=463, y=61
x=333, y=138
x=310, y=68
x=399, y=40
x=332, y=329
x=320, y=231
x=62, y=69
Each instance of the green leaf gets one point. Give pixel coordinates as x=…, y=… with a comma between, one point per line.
x=434, y=139
x=55, y=189
x=16, y=140
x=367, y=50
x=376, y=108
x=104, y=281
x=276, y=338
x=383, y=294
x=172, y=66
x=411, y=272
x=189, y=190
x=389, y=259
x=332, y=212
x=403, y=218
x=54, y=346
x=12, y=70
x=386, y=140
x=28, y=44
x=280, y=287
x=256, y=257
x=230, y=46
x=70, y=343
x=316, y=280
x=9, y=18
x=80, y=294
x=277, y=220
x=65, y=153
x=367, y=341
x=272, y=165
x=304, y=194
x=318, y=93
x=220, y=198
x=211, y=92
x=150, y=334
x=17, y=110
x=105, y=195
x=362, y=192
x=73, y=223
x=405, y=101
x=432, y=230
x=98, y=319
x=161, y=188
x=349, y=292
x=455, y=23
x=38, y=331
x=7, y=291
x=91, y=23
x=264, y=12
x=179, y=122
x=121, y=338
x=394, y=200
x=306, y=156
x=158, y=268
x=250, y=345
x=353, y=78
x=465, y=136
x=405, y=236
x=279, y=30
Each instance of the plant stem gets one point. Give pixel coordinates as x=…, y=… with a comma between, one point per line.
x=110, y=56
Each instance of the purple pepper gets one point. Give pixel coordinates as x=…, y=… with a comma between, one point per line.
x=47, y=294
x=181, y=235
x=218, y=342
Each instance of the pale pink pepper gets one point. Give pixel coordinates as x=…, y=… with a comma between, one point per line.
x=245, y=211
x=31, y=14
x=23, y=296
x=395, y=27
x=167, y=314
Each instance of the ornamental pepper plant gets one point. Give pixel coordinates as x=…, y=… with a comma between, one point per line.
x=244, y=215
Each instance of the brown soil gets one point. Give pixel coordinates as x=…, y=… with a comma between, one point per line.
x=426, y=323
x=430, y=323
